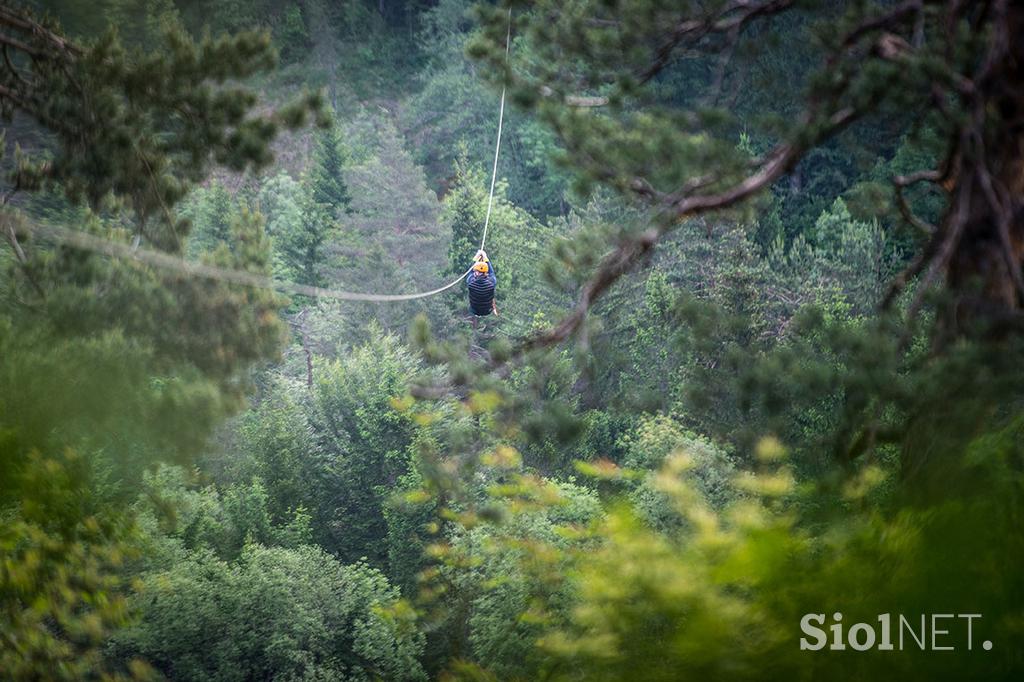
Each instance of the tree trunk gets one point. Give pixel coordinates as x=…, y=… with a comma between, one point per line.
x=980, y=245
x=984, y=269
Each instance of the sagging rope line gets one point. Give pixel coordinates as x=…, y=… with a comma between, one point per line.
x=165, y=261
x=159, y=259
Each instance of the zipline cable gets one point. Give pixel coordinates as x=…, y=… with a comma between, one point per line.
x=90, y=242
x=497, y=144
x=165, y=261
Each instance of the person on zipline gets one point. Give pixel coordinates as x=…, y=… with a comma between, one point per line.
x=481, y=282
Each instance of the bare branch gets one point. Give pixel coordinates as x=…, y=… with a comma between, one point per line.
x=723, y=64
x=12, y=237
x=693, y=29
x=944, y=248
x=17, y=20
x=613, y=266
x=581, y=101
x=12, y=68
x=632, y=250
x=7, y=219
x=897, y=14
x=900, y=182
x=21, y=46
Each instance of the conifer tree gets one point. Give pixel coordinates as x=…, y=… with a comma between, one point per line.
x=115, y=364
x=141, y=126
x=327, y=176
x=211, y=220
x=302, y=246
x=465, y=208
x=595, y=79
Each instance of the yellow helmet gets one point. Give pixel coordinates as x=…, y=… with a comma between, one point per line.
x=481, y=266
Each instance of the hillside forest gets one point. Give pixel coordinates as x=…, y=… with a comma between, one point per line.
x=750, y=405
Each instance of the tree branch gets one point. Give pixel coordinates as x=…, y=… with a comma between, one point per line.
x=581, y=101
x=18, y=20
x=7, y=220
x=676, y=208
x=10, y=41
x=897, y=14
x=12, y=68
x=721, y=22
x=900, y=182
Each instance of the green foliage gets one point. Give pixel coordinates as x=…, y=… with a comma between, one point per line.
x=299, y=228
x=651, y=444
x=465, y=208
x=144, y=370
x=124, y=384
x=506, y=583
x=327, y=176
x=211, y=211
x=453, y=120
x=281, y=543
x=61, y=592
x=272, y=613
x=724, y=599
x=147, y=153
x=388, y=243
x=516, y=243
x=655, y=359
x=292, y=33
x=179, y=519
x=364, y=441
x=409, y=515
x=121, y=364
x=276, y=445
x=139, y=22
x=336, y=451
x=875, y=196
x=301, y=245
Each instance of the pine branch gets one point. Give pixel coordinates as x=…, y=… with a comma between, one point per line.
x=693, y=30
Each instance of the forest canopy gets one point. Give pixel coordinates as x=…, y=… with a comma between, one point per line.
x=746, y=402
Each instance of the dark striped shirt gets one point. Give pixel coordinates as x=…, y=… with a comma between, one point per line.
x=481, y=291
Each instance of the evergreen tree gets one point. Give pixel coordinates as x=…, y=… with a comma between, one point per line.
x=327, y=175
x=142, y=22
x=607, y=510
x=679, y=159
x=213, y=211
x=142, y=126
x=678, y=154
x=147, y=361
x=464, y=210
x=302, y=248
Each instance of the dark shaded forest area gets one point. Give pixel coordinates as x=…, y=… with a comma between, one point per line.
x=751, y=405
